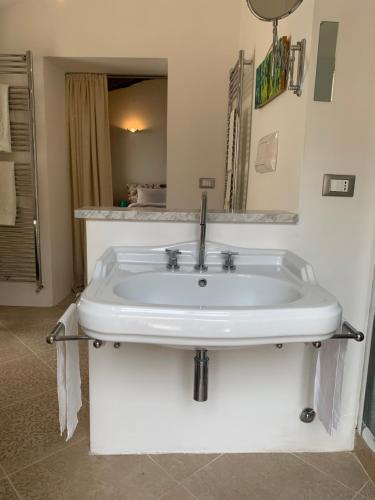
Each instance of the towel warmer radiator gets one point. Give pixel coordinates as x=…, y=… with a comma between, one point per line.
x=240, y=98
x=20, y=258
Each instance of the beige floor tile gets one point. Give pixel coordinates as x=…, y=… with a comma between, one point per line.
x=23, y=378
x=73, y=474
x=264, y=477
x=6, y=491
x=177, y=493
x=342, y=466
x=180, y=466
x=367, y=459
x=20, y=317
x=49, y=357
x=10, y=347
x=34, y=335
x=369, y=490
x=29, y=431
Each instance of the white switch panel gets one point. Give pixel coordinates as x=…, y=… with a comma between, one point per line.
x=338, y=185
x=266, y=159
x=341, y=185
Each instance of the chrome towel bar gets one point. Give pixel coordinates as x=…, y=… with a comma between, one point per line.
x=55, y=336
x=349, y=332
x=20, y=251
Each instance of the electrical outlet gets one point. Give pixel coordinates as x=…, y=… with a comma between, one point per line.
x=338, y=185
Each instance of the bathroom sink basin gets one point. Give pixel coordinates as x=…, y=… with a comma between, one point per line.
x=272, y=297
x=213, y=290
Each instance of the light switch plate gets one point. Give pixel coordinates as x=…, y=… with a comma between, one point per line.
x=207, y=182
x=338, y=185
x=267, y=151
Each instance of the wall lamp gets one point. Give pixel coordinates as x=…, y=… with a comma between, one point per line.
x=133, y=130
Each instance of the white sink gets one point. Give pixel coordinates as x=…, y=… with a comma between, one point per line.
x=181, y=289
x=272, y=297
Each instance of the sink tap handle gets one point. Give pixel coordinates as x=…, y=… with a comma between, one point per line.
x=228, y=262
x=172, y=258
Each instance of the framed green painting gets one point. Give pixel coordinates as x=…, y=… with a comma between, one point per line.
x=272, y=74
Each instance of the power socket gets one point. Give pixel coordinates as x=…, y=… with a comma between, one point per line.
x=338, y=185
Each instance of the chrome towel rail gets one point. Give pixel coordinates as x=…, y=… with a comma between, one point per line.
x=349, y=332
x=238, y=135
x=55, y=336
x=20, y=256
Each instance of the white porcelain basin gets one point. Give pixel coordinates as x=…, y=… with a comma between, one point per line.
x=272, y=297
x=182, y=289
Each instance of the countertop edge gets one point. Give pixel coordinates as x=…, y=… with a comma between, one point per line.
x=249, y=217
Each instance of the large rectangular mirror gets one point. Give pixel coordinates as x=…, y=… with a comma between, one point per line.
x=174, y=131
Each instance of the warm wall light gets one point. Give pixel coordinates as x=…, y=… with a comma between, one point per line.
x=133, y=124
x=133, y=130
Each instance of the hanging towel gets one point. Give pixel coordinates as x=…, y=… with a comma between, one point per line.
x=328, y=382
x=7, y=194
x=5, y=143
x=68, y=375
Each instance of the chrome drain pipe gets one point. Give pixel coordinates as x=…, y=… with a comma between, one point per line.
x=201, y=375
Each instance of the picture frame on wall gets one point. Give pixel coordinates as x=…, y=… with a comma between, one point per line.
x=272, y=74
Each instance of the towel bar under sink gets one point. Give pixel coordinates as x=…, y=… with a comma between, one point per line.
x=347, y=332
x=55, y=336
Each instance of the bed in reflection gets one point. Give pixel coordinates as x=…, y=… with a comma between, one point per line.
x=146, y=195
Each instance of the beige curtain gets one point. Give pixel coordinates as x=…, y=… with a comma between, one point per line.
x=89, y=153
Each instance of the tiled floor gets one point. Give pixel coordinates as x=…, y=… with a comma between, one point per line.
x=36, y=463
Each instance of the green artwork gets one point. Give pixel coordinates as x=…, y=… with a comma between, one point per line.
x=272, y=74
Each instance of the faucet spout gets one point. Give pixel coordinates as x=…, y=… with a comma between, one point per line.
x=200, y=266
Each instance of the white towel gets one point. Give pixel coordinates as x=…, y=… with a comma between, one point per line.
x=68, y=375
x=8, y=208
x=5, y=142
x=328, y=382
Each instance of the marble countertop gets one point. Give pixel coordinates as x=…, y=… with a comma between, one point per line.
x=166, y=215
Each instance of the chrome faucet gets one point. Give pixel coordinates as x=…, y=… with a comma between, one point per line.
x=172, y=259
x=229, y=260
x=202, y=242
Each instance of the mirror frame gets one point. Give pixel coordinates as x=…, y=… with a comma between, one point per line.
x=270, y=19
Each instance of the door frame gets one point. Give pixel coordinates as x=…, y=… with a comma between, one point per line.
x=370, y=326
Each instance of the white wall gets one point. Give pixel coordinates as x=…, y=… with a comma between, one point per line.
x=334, y=234
x=278, y=190
x=339, y=139
x=59, y=183
x=200, y=43
x=140, y=157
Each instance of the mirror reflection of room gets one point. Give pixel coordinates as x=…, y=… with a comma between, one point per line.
x=138, y=133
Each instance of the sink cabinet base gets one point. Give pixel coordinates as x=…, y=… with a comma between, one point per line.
x=141, y=402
